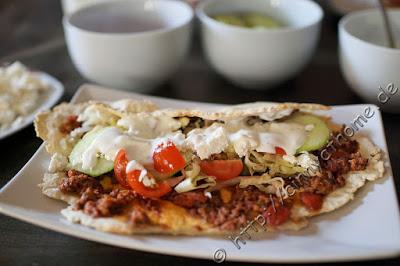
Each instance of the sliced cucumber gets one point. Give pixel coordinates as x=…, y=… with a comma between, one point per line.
x=254, y=20
x=102, y=166
x=231, y=20
x=319, y=135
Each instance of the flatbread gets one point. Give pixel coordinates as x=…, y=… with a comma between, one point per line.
x=268, y=110
x=177, y=221
x=169, y=219
x=172, y=219
x=354, y=180
x=47, y=123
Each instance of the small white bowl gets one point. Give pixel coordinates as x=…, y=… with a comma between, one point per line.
x=127, y=58
x=367, y=65
x=260, y=58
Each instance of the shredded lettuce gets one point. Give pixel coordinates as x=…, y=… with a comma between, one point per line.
x=265, y=183
x=194, y=180
x=192, y=170
x=260, y=181
x=197, y=182
x=271, y=164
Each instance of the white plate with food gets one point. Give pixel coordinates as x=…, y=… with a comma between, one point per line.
x=366, y=225
x=23, y=94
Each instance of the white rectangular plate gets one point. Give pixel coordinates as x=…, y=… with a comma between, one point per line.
x=367, y=227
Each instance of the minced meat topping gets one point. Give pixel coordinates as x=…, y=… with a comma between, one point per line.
x=229, y=212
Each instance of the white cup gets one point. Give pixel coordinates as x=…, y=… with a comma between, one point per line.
x=133, y=45
x=370, y=68
x=260, y=58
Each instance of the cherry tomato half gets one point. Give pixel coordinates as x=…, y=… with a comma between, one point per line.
x=167, y=159
x=157, y=191
x=277, y=216
x=280, y=151
x=312, y=201
x=120, y=163
x=222, y=169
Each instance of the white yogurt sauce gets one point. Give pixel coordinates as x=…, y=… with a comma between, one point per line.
x=149, y=125
x=112, y=139
x=204, y=141
x=143, y=177
x=262, y=138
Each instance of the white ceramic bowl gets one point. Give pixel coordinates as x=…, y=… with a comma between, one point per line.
x=366, y=63
x=128, y=59
x=260, y=58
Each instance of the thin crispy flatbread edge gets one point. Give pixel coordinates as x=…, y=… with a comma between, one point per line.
x=354, y=181
x=267, y=109
x=47, y=126
x=119, y=225
x=47, y=123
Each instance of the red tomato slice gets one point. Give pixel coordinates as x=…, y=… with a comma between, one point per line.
x=157, y=191
x=280, y=151
x=312, y=201
x=277, y=216
x=222, y=169
x=120, y=163
x=167, y=159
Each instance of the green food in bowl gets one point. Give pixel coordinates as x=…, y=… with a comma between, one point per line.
x=249, y=20
x=231, y=20
x=261, y=21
